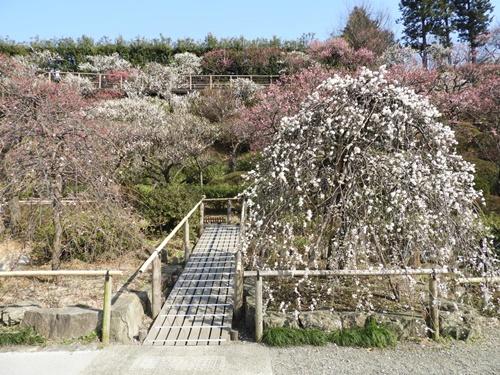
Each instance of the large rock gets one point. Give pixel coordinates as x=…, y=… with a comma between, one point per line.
x=63, y=323
x=323, y=319
x=460, y=322
x=14, y=314
x=126, y=318
x=274, y=319
x=404, y=325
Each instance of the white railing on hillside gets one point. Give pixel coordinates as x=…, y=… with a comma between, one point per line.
x=191, y=82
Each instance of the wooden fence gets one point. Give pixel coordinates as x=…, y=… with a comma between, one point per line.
x=259, y=275
x=106, y=311
x=433, y=287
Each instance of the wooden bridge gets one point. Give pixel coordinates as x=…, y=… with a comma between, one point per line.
x=199, y=309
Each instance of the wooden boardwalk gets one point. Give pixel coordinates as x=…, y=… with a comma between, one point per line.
x=199, y=309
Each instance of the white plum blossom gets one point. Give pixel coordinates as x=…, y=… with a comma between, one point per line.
x=104, y=64
x=153, y=80
x=365, y=175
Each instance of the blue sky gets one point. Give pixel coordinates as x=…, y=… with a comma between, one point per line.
x=23, y=20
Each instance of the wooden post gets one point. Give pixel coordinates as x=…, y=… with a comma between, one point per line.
x=187, y=250
x=434, y=306
x=156, y=287
x=238, y=288
x=190, y=82
x=202, y=214
x=106, y=310
x=211, y=83
x=228, y=212
x=259, y=324
x=242, y=216
x=99, y=75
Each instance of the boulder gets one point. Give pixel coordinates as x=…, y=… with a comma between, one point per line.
x=64, y=323
x=323, y=319
x=404, y=325
x=126, y=318
x=14, y=314
x=353, y=320
x=459, y=321
x=273, y=319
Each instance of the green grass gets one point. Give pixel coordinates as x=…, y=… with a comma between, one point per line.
x=23, y=336
x=370, y=336
x=283, y=337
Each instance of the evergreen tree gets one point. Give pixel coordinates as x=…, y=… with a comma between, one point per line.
x=365, y=31
x=473, y=19
x=418, y=19
x=444, y=21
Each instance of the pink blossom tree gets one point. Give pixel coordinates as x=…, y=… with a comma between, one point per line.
x=47, y=144
x=282, y=99
x=336, y=52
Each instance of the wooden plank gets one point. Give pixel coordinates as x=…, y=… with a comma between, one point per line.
x=199, y=297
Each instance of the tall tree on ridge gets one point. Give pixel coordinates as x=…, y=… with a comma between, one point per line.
x=365, y=30
x=418, y=21
x=444, y=21
x=473, y=19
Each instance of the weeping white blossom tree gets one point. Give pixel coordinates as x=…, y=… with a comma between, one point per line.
x=365, y=176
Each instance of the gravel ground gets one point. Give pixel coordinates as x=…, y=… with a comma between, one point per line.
x=426, y=357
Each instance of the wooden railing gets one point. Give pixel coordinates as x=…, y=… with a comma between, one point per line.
x=433, y=287
x=259, y=275
x=116, y=81
x=106, y=311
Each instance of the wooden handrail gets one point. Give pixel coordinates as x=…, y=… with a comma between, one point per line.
x=60, y=273
x=220, y=199
x=297, y=273
x=154, y=257
x=106, y=309
x=160, y=247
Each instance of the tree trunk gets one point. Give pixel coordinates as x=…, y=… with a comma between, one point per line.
x=424, y=43
x=2, y=218
x=56, y=207
x=14, y=214
x=233, y=157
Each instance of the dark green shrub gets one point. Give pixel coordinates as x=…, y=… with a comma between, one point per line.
x=492, y=221
x=221, y=191
x=486, y=175
x=233, y=178
x=214, y=172
x=248, y=162
x=163, y=206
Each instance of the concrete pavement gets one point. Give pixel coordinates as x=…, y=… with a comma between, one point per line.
x=237, y=358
